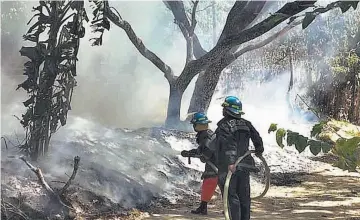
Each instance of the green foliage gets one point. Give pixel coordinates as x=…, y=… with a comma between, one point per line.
x=348, y=150
x=299, y=141
x=344, y=63
x=317, y=128
x=280, y=135
x=273, y=127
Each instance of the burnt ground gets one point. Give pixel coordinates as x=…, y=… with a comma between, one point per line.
x=327, y=193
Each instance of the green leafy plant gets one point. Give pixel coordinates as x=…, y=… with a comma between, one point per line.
x=346, y=149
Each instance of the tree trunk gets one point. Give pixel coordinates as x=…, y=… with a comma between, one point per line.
x=174, y=106
x=204, y=89
x=41, y=129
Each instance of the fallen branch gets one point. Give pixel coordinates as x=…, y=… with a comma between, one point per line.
x=8, y=207
x=41, y=178
x=76, y=167
x=43, y=183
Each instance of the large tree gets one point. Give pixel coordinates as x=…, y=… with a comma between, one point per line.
x=51, y=68
x=209, y=64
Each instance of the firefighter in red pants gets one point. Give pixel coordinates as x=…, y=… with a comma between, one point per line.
x=203, y=138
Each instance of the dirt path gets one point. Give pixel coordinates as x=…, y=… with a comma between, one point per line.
x=328, y=193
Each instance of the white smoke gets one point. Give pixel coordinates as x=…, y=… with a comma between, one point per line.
x=117, y=87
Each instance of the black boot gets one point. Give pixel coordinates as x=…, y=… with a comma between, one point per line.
x=202, y=209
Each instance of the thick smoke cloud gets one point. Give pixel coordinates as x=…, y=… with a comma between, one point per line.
x=116, y=85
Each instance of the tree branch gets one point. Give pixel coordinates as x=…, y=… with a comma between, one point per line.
x=287, y=11
x=43, y=183
x=190, y=34
x=268, y=40
x=220, y=51
x=178, y=10
x=137, y=42
x=193, y=17
x=241, y=15
x=76, y=167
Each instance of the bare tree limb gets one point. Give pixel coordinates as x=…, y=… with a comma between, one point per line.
x=76, y=167
x=190, y=34
x=43, y=183
x=178, y=10
x=238, y=53
x=203, y=9
x=17, y=117
x=209, y=79
x=137, y=42
x=193, y=18
x=221, y=50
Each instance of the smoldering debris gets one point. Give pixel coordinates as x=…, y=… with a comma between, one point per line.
x=102, y=187
x=120, y=169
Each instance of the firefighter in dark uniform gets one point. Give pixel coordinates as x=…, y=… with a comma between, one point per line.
x=232, y=141
x=203, y=139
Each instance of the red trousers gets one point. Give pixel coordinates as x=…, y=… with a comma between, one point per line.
x=208, y=188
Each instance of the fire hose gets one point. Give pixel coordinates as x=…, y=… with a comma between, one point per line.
x=228, y=178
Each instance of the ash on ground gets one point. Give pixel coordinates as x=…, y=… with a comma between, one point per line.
x=120, y=169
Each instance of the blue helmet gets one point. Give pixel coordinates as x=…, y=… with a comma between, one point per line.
x=200, y=118
x=233, y=105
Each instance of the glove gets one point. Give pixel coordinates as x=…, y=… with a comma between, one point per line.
x=188, y=153
x=202, y=159
x=185, y=153
x=193, y=152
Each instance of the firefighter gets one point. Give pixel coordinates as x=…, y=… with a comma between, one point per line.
x=204, y=137
x=232, y=141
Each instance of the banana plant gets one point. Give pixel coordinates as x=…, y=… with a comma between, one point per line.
x=51, y=70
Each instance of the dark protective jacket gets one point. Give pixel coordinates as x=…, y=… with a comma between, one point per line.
x=204, y=139
x=232, y=141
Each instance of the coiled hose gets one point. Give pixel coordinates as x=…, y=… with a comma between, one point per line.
x=228, y=177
